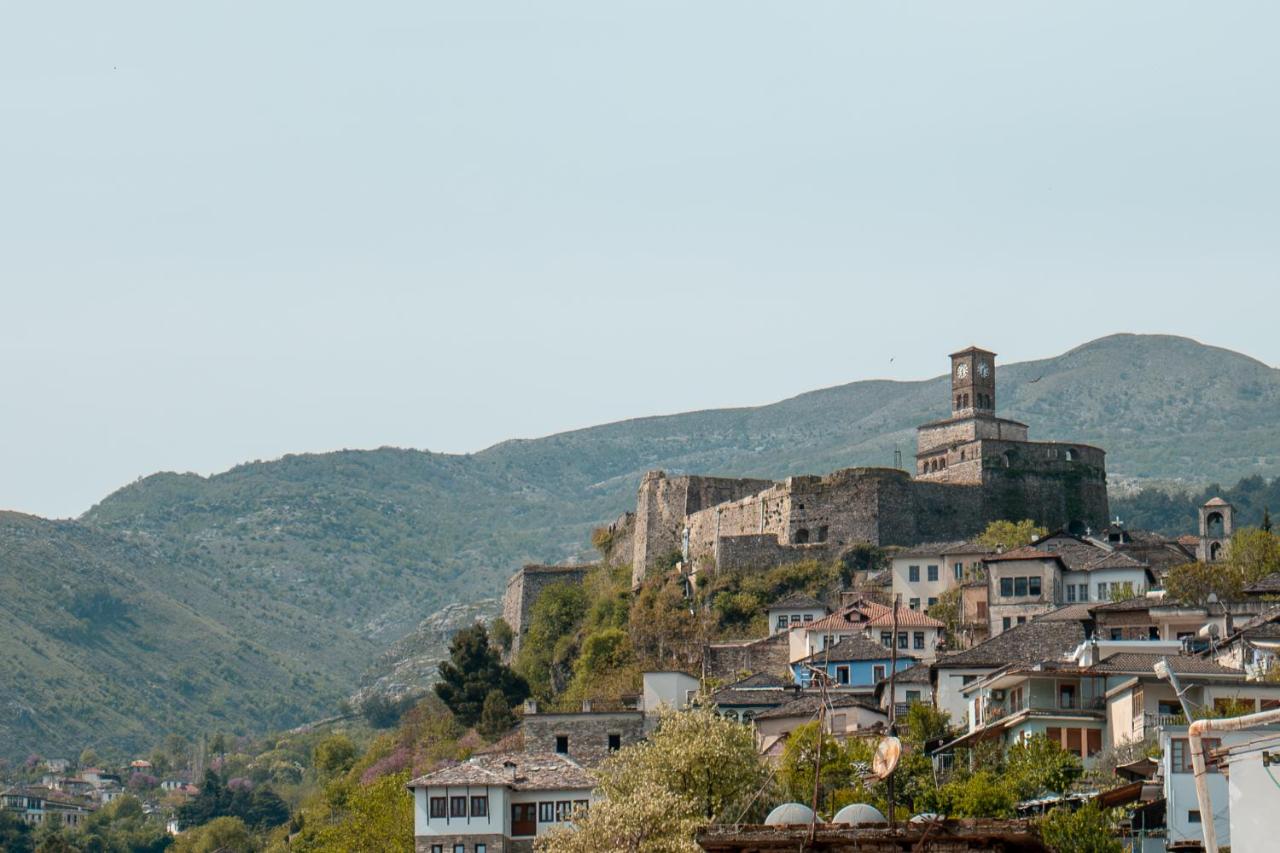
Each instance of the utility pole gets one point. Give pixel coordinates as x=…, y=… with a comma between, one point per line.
x=893, y=697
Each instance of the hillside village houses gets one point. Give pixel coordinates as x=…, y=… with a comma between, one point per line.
x=1061, y=638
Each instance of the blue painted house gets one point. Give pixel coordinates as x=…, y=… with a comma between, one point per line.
x=853, y=662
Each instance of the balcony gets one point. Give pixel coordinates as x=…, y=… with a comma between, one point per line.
x=1160, y=721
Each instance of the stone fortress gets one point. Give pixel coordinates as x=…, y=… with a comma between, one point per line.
x=970, y=469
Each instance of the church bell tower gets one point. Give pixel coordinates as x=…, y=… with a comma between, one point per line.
x=973, y=383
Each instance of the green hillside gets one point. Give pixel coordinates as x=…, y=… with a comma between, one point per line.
x=101, y=649
x=327, y=559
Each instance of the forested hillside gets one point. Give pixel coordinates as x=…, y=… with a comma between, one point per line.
x=325, y=560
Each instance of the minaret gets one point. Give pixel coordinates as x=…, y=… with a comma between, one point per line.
x=973, y=383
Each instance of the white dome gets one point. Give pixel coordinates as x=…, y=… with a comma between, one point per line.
x=789, y=814
x=926, y=817
x=858, y=813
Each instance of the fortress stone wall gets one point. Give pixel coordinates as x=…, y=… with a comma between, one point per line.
x=523, y=589
x=971, y=469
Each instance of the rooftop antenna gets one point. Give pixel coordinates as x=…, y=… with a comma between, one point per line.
x=897, y=458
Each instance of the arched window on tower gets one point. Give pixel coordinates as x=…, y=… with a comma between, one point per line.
x=802, y=536
x=1072, y=454
x=1213, y=525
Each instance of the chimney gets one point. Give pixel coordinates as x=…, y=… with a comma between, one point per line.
x=586, y=706
x=531, y=706
x=510, y=767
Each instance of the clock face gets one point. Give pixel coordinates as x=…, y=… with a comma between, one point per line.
x=984, y=369
x=962, y=370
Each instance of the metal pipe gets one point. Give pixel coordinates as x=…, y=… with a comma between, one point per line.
x=1194, y=732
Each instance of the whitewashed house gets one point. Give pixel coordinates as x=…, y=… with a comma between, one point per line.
x=795, y=611
x=496, y=803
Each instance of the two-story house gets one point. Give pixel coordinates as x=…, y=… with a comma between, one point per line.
x=917, y=632
x=922, y=573
x=1027, y=582
x=854, y=663
x=794, y=611
x=496, y=803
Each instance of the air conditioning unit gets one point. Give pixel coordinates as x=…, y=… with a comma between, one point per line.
x=997, y=694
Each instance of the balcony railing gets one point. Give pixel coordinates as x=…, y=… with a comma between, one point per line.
x=1151, y=721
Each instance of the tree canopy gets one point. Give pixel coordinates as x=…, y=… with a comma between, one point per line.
x=473, y=669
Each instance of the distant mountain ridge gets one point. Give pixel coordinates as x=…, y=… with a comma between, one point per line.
x=330, y=558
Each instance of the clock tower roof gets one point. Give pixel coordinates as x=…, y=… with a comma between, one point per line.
x=971, y=350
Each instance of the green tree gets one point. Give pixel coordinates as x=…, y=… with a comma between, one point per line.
x=1010, y=534
x=650, y=819
x=220, y=835
x=947, y=610
x=707, y=760
x=1037, y=766
x=800, y=757
x=334, y=755
x=88, y=757
x=501, y=635
x=473, y=669
x=1193, y=583
x=377, y=816
x=15, y=833
x=1255, y=553
x=496, y=718
x=983, y=794
x=122, y=826
x=1085, y=830
x=548, y=647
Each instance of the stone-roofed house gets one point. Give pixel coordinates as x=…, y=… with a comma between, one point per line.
x=588, y=736
x=848, y=714
x=749, y=696
x=854, y=663
x=794, y=611
x=910, y=685
x=42, y=805
x=1269, y=585
x=496, y=803
x=1035, y=641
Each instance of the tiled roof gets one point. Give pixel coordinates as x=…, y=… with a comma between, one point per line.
x=1071, y=612
x=1026, y=553
x=807, y=705
x=918, y=674
x=1075, y=552
x=761, y=681
x=939, y=549
x=1216, y=501
x=532, y=771
x=1265, y=586
x=1144, y=663
x=1037, y=640
x=850, y=618
x=881, y=615
x=799, y=601
x=1189, y=540
x=754, y=698
x=856, y=647
x=1114, y=560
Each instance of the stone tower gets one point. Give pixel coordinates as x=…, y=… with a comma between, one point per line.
x=1217, y=523
x=973, y=382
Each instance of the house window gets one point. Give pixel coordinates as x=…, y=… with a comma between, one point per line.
x=913, y=696
x=615, y=743
x=546, y=812
x=1102, y=592
x=564, y=808
x=958, y=568
x=1180, y=754
x=902, y=639
x=459, y=848
x=932, y=601
x=562, y=744
x=437, y=807
x=1022, y=620
x=1084, y=592
x=877, y=672
x=782, y=621
x=482, y=848
x=918, y=639
x=886, y=638
x=580, y=807
x=1117, y=634
x=842, y=675
x=968, y=679
x=437, y=848
x=1019, y=587
x=795, y=618
x=1066, y=696
x=914, y=604
x=1033, y=586
x=1007, y=623
x=1193, y=816
x=933, y=573
x=480, y=806
x=982, y=610
x=1006, y=587
x=457, y=807
x=913, y=574
x=1071, y=592
x=808, y=617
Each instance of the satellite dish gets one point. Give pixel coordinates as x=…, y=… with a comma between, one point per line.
x=887, y=755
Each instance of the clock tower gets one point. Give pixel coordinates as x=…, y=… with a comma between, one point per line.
x=973, y=382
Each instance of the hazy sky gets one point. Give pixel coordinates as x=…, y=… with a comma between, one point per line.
x=234, y=230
